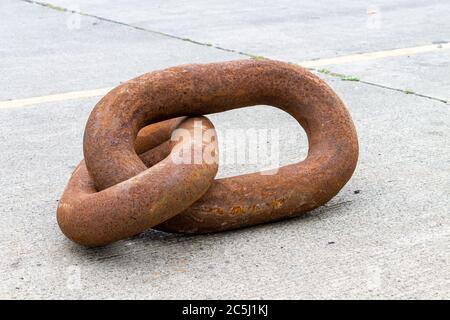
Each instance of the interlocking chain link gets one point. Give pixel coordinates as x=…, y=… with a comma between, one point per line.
x=129, y=181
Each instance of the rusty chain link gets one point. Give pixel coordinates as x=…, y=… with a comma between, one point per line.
x=129, y=181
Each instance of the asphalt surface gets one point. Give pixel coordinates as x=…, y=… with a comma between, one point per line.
x=385, y=235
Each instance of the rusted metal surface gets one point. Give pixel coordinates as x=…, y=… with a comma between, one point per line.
x=153, y=135
x=96, y=218
x=194, y=90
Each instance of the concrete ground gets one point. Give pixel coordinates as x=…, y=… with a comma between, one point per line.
x=385, y=235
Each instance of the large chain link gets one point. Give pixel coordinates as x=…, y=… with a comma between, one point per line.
x=130, y=181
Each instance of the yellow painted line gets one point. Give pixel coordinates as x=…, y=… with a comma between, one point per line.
x=18, y=103
x=374, y=55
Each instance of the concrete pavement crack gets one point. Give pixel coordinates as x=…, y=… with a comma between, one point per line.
x=209, y=45
x=205, y=44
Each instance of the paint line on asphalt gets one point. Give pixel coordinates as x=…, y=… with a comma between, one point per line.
x=374, y=55
x=18, y=103
x=73, y=95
